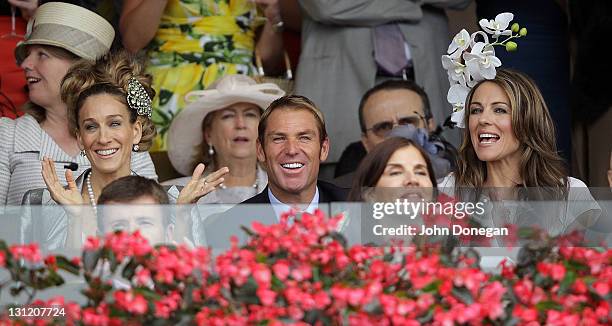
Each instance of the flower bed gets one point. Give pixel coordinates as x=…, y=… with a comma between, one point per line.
x=303, y=273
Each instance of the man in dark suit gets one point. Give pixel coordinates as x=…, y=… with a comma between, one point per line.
x=292, y=142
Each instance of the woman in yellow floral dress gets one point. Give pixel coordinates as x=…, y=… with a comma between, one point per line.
x=192, y=43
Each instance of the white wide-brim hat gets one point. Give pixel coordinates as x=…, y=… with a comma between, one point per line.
x=185, y=133
x=70, y=27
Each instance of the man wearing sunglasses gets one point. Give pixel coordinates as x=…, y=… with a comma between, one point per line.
x=382, y=108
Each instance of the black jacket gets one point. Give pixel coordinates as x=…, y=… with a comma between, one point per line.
x=218, y=228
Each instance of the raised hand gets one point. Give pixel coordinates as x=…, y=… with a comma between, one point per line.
x=27, y=7
x=69, y=195
x=198, y=186
x=271, y=10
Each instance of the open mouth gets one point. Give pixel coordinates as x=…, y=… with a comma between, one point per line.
x=32, y=80
x=106, y=152
x=292, y=166
x=488, y=138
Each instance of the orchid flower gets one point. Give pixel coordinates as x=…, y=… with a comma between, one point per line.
x=457, y=94
x=499, y=26
x=481, y=62
x=460, y=43
x=471, y=58
x=457, y=71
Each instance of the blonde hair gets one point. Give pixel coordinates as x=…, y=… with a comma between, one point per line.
x=108, y=75
x=540, y=164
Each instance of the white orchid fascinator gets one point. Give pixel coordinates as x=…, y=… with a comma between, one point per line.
x=471, y=58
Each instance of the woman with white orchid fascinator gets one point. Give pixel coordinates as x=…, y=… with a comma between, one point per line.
x=509, y=140
x=470, y=60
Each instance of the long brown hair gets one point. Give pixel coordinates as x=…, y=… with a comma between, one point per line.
x=373, y=165
x=540, y=164
x=109, y=75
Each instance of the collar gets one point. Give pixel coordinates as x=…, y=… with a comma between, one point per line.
x=280, y=207
x=30, y=137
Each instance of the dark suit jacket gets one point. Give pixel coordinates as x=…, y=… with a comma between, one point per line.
x=218, y=228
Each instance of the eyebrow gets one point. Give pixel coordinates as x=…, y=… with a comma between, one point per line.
x=107, y=117
x=498, y=102
x=301, y=133
x=398, y=165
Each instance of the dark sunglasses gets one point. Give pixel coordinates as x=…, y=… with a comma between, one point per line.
x=382, y=128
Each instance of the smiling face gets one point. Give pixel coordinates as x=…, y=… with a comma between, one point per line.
x=44, y=71
x=407, y=171
x=107, y=135
x=233, y=131
x=490, y=124
x=291, y=153
x=143, y=214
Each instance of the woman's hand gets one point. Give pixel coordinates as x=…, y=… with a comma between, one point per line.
x=198, y=186
x=63, y=196
x=27, y=7
x=271, y=10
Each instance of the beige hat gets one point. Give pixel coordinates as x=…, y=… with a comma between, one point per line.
x=69, y=27
x=185, y=132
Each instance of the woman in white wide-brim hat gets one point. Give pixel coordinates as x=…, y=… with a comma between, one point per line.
x=59, y=35
x=219, y=128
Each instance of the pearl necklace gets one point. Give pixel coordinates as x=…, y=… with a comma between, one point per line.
x=92, y=197
x=90, y=192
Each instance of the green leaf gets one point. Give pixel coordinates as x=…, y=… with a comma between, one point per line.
x=548, y=305
x=567, y=282
x=90, y=259
x=463, y=294
x=432, y=287
x=129, y=270
x=147, y=293
x=64, y=264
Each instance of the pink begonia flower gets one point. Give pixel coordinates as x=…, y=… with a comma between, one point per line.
x=262, y=275
x=130, y=302
x=499, y=25
x=29, y=252
x=266, y=296
x=281, y=269
x=91, y=244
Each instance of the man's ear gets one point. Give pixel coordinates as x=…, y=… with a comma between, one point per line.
x=324, y=150
x=261, y=155
x=365, y=142
x=431, y=125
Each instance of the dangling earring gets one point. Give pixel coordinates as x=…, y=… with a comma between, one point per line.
x=82, y=153
x=135, y=148
x=211, y=150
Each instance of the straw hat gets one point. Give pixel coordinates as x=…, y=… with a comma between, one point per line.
x=185, y=132
x=69, y=27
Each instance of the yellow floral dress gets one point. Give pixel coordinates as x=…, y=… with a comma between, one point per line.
x=198, y=41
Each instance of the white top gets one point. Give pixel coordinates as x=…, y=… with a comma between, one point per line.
x=23, y=145
x=579, y=201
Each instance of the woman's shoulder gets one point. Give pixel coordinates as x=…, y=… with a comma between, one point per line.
x=575, y=183
x=7, y=128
